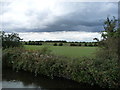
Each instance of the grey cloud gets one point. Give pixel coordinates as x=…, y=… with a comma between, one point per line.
x=75, y=16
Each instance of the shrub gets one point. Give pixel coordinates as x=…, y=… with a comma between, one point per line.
x=61, y=44
x=106, y=73
x=55, y=44
x=85, y=44
x=83, y=70
x=10, y=40
x=45, y=50
x=40, y=44
x=73, y=44
x=80, y=44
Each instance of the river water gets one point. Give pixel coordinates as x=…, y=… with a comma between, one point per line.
x=22, y=79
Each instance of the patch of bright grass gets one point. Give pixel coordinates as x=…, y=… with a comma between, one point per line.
x=67, y=50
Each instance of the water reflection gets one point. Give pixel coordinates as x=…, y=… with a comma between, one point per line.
x=21, y=79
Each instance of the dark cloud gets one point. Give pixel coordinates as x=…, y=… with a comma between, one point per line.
x=69, y=16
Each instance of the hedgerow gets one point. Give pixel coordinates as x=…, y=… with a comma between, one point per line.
x=104, y=73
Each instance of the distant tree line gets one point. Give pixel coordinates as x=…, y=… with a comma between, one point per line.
x=61, y=43
x=84, y=44
x=56, y=41
x=33, y=43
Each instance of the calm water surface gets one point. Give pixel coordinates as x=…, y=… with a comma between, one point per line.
x=21, y=79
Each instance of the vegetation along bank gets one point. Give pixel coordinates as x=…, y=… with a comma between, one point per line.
x=102, y=70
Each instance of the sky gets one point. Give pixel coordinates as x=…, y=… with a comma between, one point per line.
x=55, y=19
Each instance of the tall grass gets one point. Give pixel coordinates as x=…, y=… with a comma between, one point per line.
x=83, y=70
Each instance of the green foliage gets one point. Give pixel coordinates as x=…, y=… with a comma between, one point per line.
x=107, y=63
x=106, y=72
x=55, y=44
x=60, y=44
x=10, y=40
x=73, y=44
x=83, y=70
x=110, y=43
x=110, y=27
x=102, y=70
x=45, y=50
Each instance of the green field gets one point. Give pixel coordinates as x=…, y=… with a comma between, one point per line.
x=67, y=50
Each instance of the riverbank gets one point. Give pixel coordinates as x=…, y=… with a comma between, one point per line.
x=23, y=79
x=83, y=70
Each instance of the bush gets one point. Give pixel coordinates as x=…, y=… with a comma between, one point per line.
x=10, y=40
x=104, y=73
x=80, y=44
x=73, y=44
x=40, y=44
x=61, y=44
x=85, y=44
x=55, y=44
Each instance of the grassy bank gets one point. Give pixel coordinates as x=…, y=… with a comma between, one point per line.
x=104, y=73
x=67, y=50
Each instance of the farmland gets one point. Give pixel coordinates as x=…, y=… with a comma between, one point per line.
x=52, y=45
x=67, y=50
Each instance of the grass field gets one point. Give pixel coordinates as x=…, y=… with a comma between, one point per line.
x=67, y=50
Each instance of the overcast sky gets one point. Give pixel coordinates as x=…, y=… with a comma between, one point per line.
x=53, y=20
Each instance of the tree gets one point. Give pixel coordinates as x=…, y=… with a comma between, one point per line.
x=55, y=44
x=40, y=43
x=26, y=43
x=85, y=44
x=96, y=39
x=110, y=42
x=79, y=44
x=60, y=44
x=95, y=43
x=90, y=44
x=10, y=40
x=73, y=44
